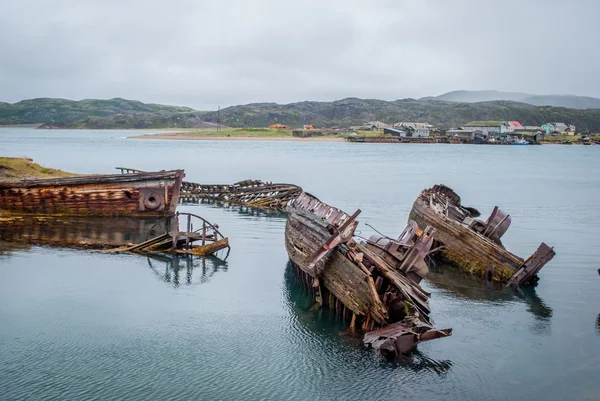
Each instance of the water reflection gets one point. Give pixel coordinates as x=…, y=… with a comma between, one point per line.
x=241, y=209
x=78, y=231
x=7, y=248
x=185, y=269
x=476, y=289
x=331, y=328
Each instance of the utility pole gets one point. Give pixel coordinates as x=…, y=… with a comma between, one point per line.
x=218, y=118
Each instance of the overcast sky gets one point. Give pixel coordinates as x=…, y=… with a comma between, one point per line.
x=223, y=52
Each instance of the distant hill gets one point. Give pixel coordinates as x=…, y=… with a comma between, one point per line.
x=59, y=111
x=568, y=101
x=120, y=113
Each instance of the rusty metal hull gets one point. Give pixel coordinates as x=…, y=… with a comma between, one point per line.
x=95, y=195
x=468, y=249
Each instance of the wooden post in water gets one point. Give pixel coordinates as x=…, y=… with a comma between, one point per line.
x=175, y=230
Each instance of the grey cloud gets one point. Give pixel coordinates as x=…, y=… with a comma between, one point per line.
x=205, y=53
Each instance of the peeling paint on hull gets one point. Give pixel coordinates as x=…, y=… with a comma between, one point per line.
x=143, y=194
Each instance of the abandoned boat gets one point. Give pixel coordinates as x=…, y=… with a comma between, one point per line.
x=205, y=240
x=95, y=195
x=474, y=245
x=375, y=283
x=255, y=193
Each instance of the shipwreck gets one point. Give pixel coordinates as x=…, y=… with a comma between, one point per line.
x=474, y=245
x=143, y=194
x=205, y=240
x=255, y=193
x=374, y=284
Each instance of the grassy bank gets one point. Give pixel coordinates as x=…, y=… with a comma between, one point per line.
x=569, y=138
x=18, y=168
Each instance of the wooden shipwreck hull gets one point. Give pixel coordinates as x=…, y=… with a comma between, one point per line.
x=254, y=193
x=92, y=195
x=474, y=245
x=373, y=284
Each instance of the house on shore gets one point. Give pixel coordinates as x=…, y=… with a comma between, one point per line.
x=530, y=129
x=532, y=134
x=465, y=133
x=416, y=129
x=558, y=129
x=370, y=126
x=396, y=132
x=278, y=126
x=493, y=128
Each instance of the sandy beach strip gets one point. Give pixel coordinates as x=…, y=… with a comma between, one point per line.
x=183, y=136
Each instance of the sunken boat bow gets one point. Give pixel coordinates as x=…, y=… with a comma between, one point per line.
x=374, y=284
x=144, y=193
x=474, y=245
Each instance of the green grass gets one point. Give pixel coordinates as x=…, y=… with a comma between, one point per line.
x=16, y=168
x=569, y=138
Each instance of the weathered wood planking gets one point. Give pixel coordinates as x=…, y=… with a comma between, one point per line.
x=118, y=194
x=463, y=246
x=304, y=237
x=347, y=276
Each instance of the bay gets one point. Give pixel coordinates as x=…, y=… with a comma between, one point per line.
x=80, y=325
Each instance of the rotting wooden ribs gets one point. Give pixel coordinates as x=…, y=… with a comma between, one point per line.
x=376, y=282
x=255, y=193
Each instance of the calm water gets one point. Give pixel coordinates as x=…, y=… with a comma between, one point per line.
x=76, y=325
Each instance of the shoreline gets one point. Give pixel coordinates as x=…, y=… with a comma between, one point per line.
x=182, y=136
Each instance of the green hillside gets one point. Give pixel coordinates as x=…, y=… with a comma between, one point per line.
x=442, y=114
x=121, y=113
x=50, y=110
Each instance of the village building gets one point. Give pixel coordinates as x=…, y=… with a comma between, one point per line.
x=376, y=125
x=530, y=130
x=557, y=128
x=494, y=128
x=531, y=134
x=395, y=132
x=370, y=126
x=465, y=133
x=416, y=129
x=278, y=126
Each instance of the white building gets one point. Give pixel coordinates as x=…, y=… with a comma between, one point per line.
x=493, y=127
x=417, y=129
x=559, y=128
